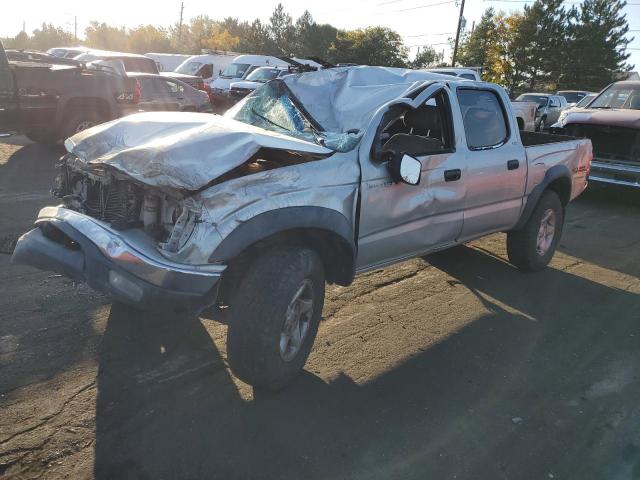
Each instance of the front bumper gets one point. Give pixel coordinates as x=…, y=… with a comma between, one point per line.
x=87, y=250
x=615, y=173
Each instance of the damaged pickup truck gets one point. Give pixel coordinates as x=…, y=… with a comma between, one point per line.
x=313, y=178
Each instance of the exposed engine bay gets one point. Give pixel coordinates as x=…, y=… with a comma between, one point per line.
x=106, y=195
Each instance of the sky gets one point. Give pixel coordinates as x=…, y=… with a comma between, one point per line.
x=420, y=22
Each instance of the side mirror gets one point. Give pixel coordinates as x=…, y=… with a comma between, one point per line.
x=404, y=168
x=220, y=72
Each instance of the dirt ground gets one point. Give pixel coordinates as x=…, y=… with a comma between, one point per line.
x=453, y=367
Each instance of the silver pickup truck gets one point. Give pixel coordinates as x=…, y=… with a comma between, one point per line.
x=313, y=178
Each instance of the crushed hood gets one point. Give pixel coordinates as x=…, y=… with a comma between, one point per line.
x=596, y=116
x=177, y=150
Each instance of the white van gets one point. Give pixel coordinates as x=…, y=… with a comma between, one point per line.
x=206, y=66
x=241, y=67
x=167, y=62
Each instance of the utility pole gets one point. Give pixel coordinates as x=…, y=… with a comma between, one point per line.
x=75, y=28
x=180, y=24
x=455, y=48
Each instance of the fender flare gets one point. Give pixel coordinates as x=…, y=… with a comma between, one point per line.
x=554, y=173
x=272, y=222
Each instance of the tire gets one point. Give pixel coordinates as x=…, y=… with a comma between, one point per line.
x=259, y=351
x=543, y=124
x=42, y=137
x=77, y=120
x=526, y=247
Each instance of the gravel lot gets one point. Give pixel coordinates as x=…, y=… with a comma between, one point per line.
x=453, y=367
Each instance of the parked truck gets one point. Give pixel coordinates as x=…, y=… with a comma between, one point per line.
x=311, y=179
x=49, y=101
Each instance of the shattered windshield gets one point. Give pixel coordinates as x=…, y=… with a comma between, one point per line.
x=273, y=107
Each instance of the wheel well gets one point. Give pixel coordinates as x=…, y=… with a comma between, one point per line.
x=562, y=186
x=337, y=256
x=98, y=105
x=520, y=123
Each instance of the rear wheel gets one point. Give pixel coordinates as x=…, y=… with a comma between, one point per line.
x=275, y=313
x=531, y=248
x=79, y=120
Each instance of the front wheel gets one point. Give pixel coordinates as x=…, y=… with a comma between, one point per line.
x=275, y=313
x=79, y=120
x=531, y=248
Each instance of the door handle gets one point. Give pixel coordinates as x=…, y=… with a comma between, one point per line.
x=452, y=175
x=513, y=164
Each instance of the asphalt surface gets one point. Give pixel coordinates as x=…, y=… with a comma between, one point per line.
x=457, y=366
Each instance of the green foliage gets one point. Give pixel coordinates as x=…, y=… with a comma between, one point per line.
x=426, y=58
x=598, y=31
x=103, y=36
x=547, y=47
x=147, y=38
x=369, y=46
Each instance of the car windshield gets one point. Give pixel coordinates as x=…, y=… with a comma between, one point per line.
x=572, y=97
x=263, y=75
x=541, y=100
x=618, y=96
x=235, y=70
x=275, y=108
x=585, y=100
x=189, y=68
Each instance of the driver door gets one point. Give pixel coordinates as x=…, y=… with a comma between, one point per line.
x=398, y=220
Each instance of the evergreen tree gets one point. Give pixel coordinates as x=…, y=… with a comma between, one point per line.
x=597, y=45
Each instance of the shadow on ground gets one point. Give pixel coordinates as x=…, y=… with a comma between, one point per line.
x=512, y=395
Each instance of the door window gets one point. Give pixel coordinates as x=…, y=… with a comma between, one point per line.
x=206, y=71
x=425, y=130
x=485, y=122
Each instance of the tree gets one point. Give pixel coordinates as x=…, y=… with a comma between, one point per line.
x=426, y=58
x=312, y=39
x=369, y=46
x=281, y=30
x=598, y=42
x=474, y=47
x=257, y=40
x=20, y=41
x=49, y=36
x=148, y=38
x=101, y=35
x=222, y=40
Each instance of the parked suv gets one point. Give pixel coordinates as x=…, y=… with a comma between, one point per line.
x=312, y=178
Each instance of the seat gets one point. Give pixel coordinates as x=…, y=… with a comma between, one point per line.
x=424, y=121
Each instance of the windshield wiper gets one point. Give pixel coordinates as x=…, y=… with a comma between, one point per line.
x=604, y=108
x=253, y=110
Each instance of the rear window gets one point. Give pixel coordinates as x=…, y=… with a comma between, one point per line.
x=541, y=100
x=468, y=76
x=572, y=97
x=143, y=65
x=484, y=120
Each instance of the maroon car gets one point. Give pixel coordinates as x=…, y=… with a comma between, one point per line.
x=612, y=122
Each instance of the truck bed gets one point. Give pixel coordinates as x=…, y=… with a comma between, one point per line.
x=530, y=139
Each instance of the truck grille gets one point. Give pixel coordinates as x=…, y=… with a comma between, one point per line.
x=610, y=144
x=116, y=201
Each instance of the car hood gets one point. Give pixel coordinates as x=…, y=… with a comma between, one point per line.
x=177, y=150
x=613, y=117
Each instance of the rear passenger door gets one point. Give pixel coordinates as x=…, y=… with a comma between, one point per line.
x=496, y=166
